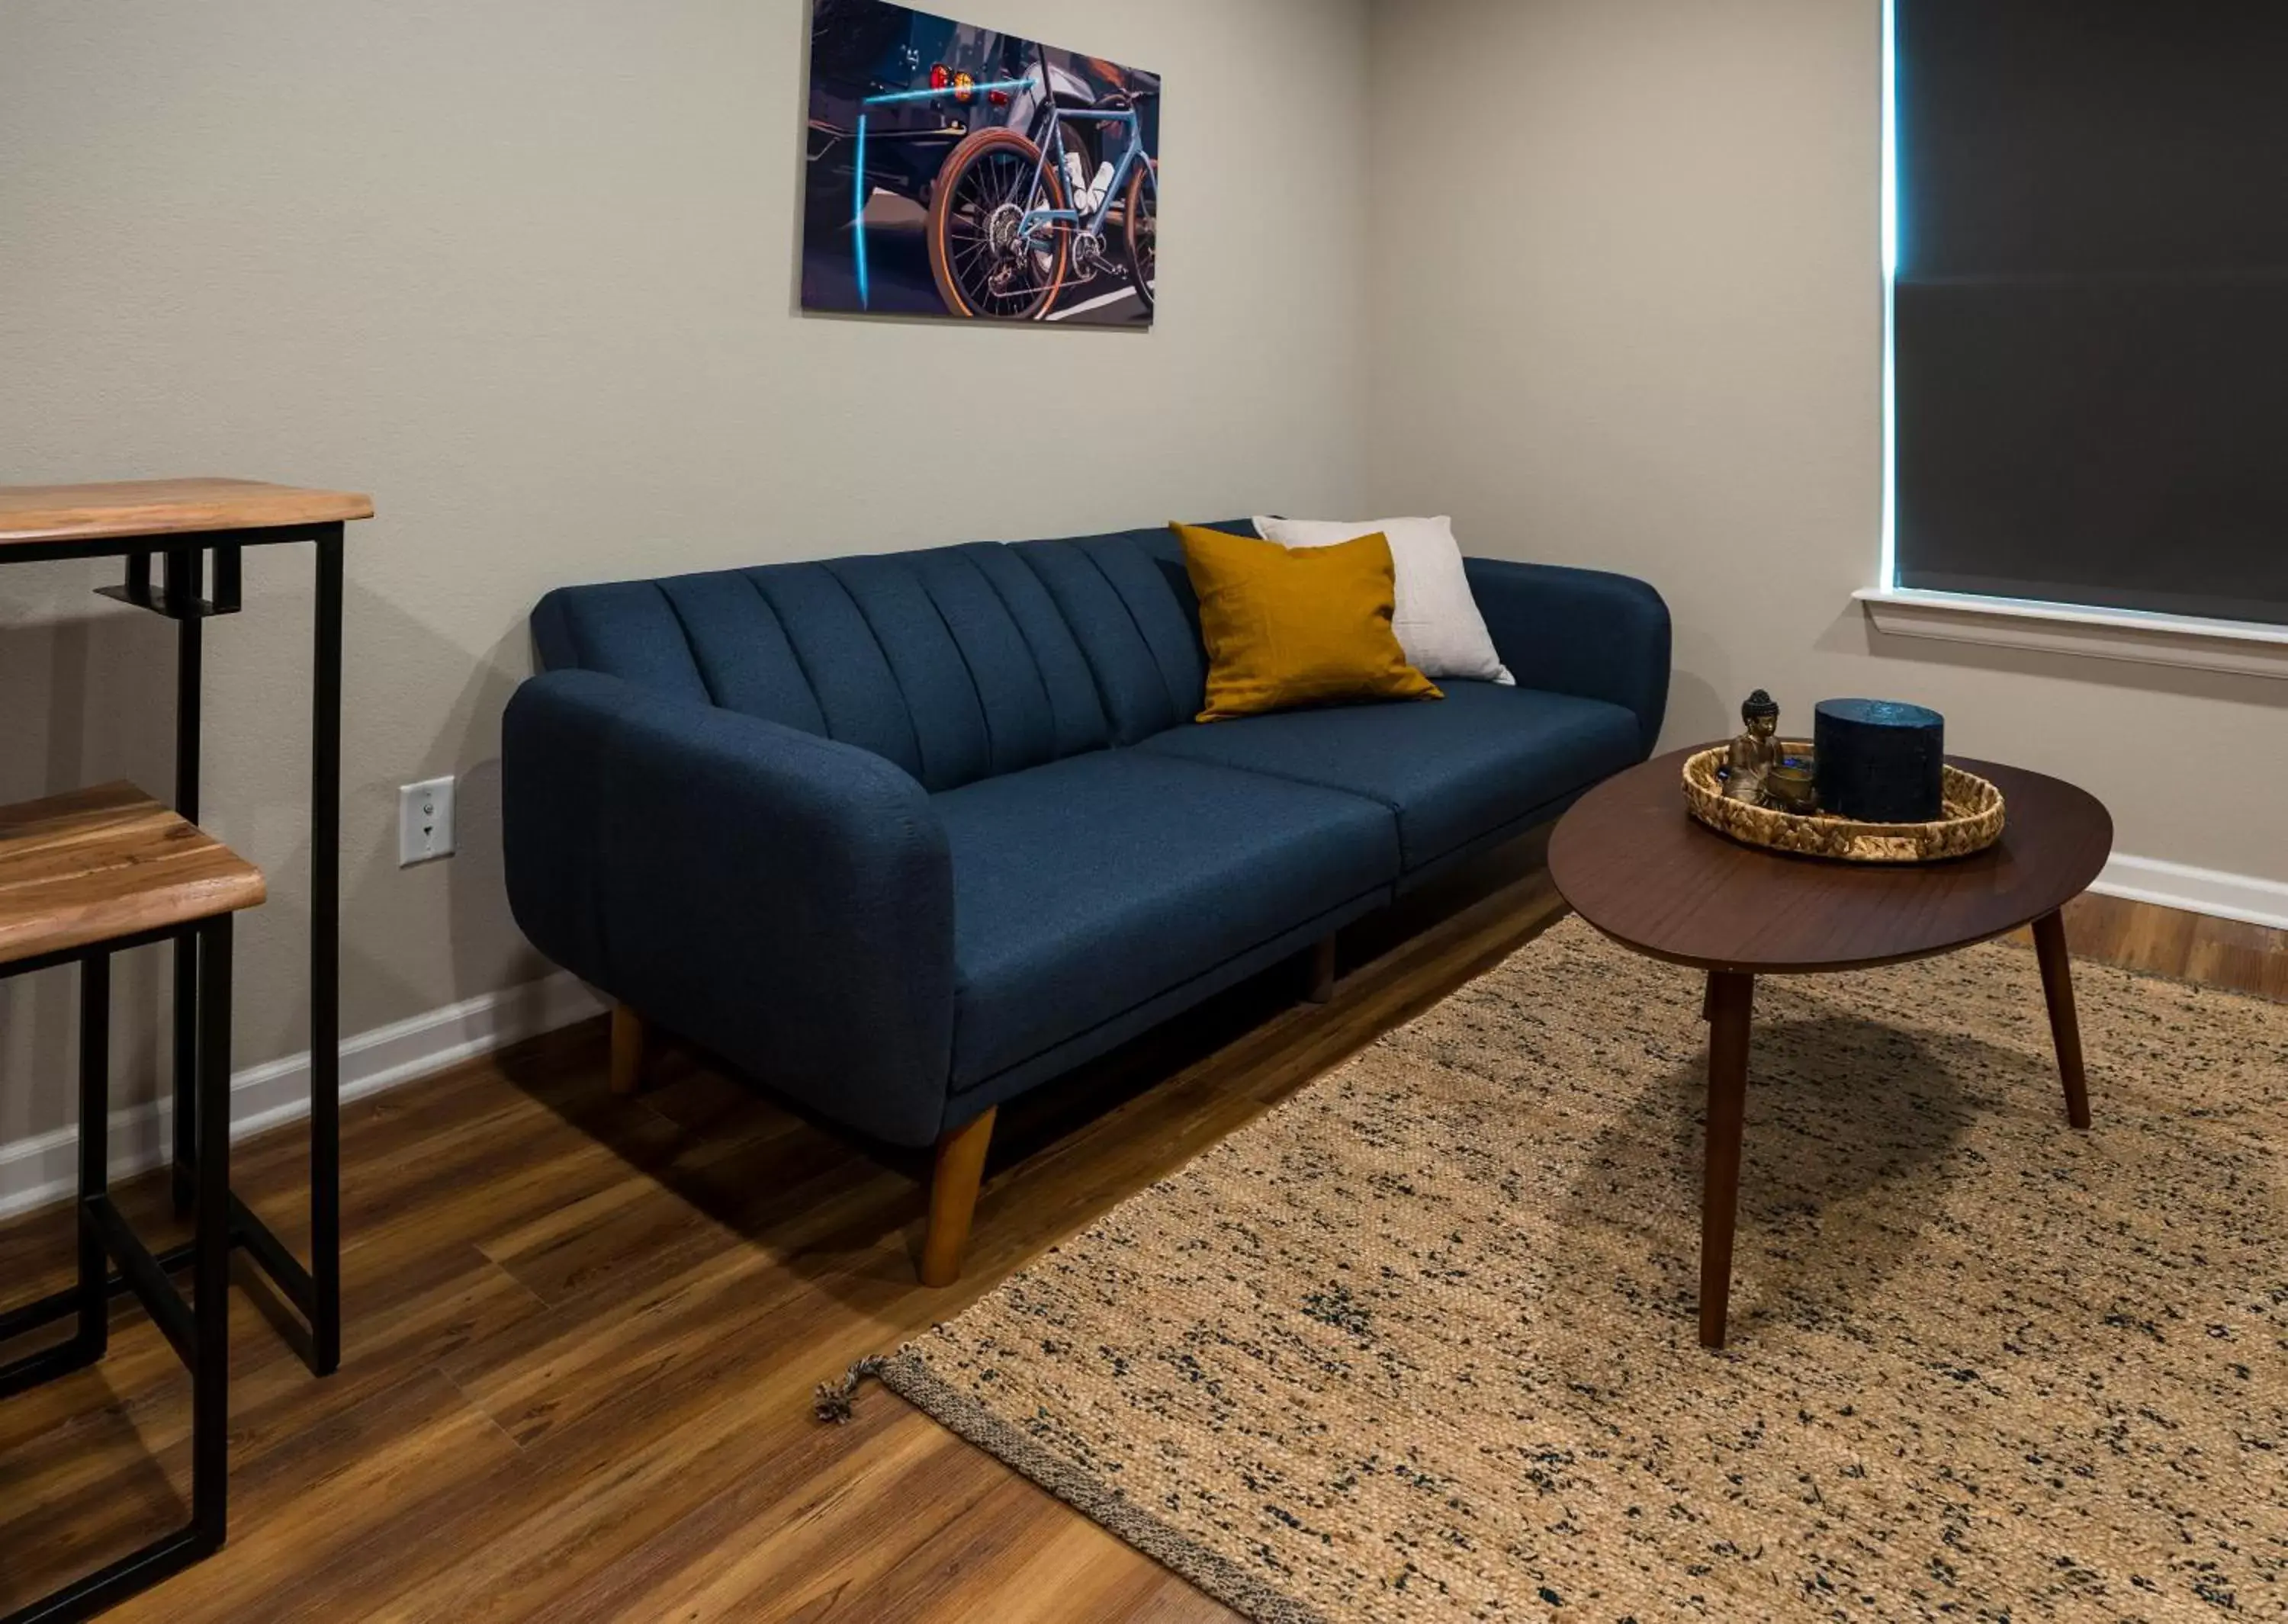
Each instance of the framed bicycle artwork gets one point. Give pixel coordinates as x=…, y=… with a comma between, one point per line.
x=959, y=171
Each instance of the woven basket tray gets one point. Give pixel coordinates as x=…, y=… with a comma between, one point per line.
x=1973, y=820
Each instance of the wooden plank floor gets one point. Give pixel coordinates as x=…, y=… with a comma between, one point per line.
x=582, y=1331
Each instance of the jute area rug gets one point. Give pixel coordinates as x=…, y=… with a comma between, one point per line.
x=1420, y=1344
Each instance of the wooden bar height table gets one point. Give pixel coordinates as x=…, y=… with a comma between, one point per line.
x=198, y=529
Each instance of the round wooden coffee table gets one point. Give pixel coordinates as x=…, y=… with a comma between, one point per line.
x=1634, y=863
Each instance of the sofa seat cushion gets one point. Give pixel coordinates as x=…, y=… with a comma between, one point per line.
x=1452, y=770
x=1083, y=887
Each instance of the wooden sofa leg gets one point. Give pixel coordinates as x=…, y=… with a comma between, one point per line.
x=953, y=1197
x=627, y=1050
x=1320, y=987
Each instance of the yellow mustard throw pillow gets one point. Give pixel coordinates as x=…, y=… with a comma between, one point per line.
x=1286, y=627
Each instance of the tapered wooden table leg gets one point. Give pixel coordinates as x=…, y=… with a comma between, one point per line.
x=1730, y=998
x=2065, y=1026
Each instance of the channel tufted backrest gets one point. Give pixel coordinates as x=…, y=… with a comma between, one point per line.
x=1130, y=604
x=958, y=663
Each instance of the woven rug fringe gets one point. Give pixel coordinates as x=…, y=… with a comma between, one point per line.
x=831, y=1401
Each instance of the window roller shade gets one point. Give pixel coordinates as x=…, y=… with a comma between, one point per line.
x=2090, y=304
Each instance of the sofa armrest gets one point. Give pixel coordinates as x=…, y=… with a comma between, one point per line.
x=780, y=899
x=1578, y=631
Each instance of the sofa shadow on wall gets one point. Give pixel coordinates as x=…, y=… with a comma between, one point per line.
x=486, y=952
x=1697, y=712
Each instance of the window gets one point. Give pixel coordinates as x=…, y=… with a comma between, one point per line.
x=2087, y=237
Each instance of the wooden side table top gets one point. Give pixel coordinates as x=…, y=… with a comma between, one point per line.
x=1635, y=864
x=164, y=507
x=105, y=862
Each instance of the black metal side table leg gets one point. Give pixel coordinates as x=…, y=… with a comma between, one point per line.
x=325, y=962
x=94, y=1285
x=211, y=1367
x=182, y=585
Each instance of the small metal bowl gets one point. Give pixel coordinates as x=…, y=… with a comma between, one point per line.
x=1792, y=785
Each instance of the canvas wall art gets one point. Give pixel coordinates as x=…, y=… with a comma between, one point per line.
x=957, y=170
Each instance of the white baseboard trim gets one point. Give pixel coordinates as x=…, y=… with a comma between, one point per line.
x=2198, y=891
x=43, y=1167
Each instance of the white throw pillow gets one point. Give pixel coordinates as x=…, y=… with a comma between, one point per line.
x=1437, y=623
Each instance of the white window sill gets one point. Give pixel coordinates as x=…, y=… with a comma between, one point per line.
x=2244, y=648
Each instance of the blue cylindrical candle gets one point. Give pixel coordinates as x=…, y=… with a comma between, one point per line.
x=1880, y=761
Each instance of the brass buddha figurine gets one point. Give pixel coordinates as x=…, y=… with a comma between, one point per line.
x=1755, y=752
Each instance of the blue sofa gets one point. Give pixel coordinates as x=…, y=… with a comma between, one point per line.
x=906, y=836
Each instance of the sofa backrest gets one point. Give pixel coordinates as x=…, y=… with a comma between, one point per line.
x=958, y=663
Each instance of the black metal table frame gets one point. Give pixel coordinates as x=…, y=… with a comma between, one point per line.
x=314, y=1292
x=200, y=1331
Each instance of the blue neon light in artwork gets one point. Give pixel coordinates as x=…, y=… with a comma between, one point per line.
x=892, y=97
x=858, y=214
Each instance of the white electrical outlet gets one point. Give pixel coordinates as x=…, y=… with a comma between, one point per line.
x=424, y=821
